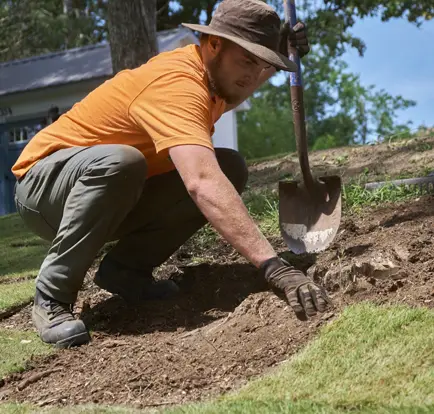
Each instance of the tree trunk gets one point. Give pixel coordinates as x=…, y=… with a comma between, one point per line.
x=209, y=10
x=132, y=31
x=67, y=7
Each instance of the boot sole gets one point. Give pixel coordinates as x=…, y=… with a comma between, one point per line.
x=76, y=340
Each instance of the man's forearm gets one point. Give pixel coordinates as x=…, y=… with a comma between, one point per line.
x=224, y=209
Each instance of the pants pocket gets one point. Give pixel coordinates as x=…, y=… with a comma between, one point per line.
x=35, y=221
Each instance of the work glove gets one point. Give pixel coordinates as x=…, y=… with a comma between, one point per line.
x=295, y=37
x=304, y=296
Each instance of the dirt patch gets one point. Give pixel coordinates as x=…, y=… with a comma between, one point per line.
x=213, y=339
x=227, y=327
x=376, y=162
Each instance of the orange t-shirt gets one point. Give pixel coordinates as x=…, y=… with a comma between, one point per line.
x=161, y=104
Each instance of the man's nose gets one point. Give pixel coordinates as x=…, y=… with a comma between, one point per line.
x=253, y=75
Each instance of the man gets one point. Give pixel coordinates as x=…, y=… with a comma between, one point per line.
x=134, y=162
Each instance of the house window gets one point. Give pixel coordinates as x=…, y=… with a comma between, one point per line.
x=24, y=133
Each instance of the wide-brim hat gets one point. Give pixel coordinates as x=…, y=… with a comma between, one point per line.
x=251, y=24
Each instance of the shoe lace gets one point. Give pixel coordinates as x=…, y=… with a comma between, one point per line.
x=58, y=309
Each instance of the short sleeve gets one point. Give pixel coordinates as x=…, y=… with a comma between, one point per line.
x=174, y=109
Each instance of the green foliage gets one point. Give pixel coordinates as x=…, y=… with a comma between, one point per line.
x=171, y=14
x=267, y=128
x=34, y=27
x=339, y=111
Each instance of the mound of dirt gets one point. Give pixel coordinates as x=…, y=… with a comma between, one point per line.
x=376, y=162
x=226, y=327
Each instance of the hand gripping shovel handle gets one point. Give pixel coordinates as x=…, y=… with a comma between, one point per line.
x=297, y=100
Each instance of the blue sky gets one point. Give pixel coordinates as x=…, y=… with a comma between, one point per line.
x=399, y=58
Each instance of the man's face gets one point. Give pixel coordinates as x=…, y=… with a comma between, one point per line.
x=233, y=71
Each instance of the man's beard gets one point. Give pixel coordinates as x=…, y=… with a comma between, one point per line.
x=216, y=83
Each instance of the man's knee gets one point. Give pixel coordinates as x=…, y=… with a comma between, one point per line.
x=234, y=167
x=128, y=160
x=122, y=167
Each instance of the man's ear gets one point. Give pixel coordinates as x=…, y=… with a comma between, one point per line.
x=214, y=44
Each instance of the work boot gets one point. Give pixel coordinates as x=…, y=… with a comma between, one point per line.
x=56, y=324
x=134, y=286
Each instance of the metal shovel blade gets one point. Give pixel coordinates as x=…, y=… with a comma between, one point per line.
x=309, y=212
x=308, y=220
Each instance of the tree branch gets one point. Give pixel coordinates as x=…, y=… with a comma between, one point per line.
x=164, y=7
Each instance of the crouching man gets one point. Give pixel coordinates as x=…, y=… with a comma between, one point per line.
x=134, y=162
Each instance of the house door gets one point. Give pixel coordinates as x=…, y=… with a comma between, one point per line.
x=13, y=138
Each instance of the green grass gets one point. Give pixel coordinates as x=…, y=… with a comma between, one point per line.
x=17, y=348
x=242, y=407
x=355, y=196
x=15, y=294
x=371, y=360
x=21, y=252
x=88, y=409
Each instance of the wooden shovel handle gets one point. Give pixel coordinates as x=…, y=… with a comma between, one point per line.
x=297, y=101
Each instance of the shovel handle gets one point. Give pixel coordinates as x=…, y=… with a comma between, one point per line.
x=297, y=103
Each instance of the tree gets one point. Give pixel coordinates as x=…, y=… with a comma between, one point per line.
x=266, y=129
x=132, y=31
x=339, y=111
x=34, y=27
x=171, y=14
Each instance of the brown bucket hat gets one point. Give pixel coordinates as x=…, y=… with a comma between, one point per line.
x=251, y=24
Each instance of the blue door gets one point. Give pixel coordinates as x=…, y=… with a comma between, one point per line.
x=13, y=138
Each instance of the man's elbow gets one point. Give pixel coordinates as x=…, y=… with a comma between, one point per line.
x=199, y=185
x=194, y=185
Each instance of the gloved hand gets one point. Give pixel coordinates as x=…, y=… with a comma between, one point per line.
x=303, y=295
x=296, y=37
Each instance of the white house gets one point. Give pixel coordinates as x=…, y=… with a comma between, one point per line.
x=30, y=87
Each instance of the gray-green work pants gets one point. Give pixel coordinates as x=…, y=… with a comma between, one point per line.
x=82, y=197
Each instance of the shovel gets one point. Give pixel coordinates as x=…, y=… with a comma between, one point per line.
x=309, y=212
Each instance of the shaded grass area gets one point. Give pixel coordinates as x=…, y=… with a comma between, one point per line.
x=15, y=294
x=21, y=252
x=17, y=348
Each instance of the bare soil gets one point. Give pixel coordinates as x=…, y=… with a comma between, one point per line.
x=374, y=163
x=226, y=327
